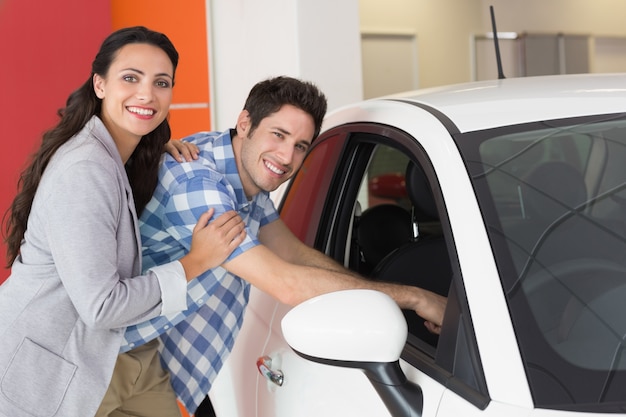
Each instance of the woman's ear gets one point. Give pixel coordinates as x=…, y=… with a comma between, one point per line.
x=98, y=86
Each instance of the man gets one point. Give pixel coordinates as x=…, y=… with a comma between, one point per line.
x=236, y=170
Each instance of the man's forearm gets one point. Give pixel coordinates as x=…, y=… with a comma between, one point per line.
x=315, y=258
x=427, y=304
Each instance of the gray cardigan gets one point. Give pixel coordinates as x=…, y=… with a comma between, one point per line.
x=75, y=286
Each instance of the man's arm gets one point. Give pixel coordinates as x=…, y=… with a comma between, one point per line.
x=277, y=237
x=286, y=269
x=292, y=272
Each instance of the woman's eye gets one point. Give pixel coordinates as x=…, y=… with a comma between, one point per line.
x=130, y=78
x=163, y=84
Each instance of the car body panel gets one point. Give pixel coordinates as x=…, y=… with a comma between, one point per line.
x=481, y=105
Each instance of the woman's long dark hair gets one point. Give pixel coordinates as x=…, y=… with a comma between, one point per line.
x=82, y=104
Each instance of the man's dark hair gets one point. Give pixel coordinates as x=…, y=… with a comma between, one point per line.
x=267, y=97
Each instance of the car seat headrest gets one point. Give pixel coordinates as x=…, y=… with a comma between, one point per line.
x=419, y=191
x=382, y=229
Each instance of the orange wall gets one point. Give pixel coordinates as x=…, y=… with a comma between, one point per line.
x=184, y=22
x=46, y=49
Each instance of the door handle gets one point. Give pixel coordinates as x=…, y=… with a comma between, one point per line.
x=264, y=365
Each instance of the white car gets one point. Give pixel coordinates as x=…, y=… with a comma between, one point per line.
x=509, y=197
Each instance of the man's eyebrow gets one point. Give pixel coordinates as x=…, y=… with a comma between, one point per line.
x=288, y=133
x=282, y=130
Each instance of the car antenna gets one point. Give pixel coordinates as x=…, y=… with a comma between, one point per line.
x=496, y=44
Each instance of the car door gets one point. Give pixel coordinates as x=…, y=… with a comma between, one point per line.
x=358, y=211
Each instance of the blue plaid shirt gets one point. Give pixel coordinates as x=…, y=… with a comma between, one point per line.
x=196, y=342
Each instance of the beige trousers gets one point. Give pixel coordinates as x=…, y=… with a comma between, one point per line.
x=140, y=387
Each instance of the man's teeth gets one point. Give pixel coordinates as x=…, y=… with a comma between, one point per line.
x=274, y=169
x=143, y=112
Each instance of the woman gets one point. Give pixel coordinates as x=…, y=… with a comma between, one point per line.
x=73, y=240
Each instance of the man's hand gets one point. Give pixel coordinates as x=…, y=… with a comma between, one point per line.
x=431, y=307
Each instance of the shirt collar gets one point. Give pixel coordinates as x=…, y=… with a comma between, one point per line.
x=226, y=163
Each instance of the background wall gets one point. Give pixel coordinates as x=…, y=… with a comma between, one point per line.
x=187, y=29
x=317, y=40
x=46, y=49
x=598, y=17
x=444, y=29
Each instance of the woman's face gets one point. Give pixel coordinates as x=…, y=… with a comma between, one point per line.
x=136, y=93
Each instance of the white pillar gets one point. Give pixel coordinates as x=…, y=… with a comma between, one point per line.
x=250, y=40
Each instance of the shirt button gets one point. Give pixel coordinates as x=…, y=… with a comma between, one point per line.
x=131, y=345
x=200, y=301
x=167, y=326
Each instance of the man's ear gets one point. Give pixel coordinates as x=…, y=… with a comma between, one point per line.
x=243, y=123
x=98, y=86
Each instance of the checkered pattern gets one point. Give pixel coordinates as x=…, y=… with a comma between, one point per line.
x=196, y=342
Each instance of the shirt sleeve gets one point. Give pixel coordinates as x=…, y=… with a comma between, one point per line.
x=189, y=199
x=173, y=283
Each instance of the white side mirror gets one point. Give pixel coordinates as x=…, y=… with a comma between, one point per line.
x=360, y=329
x=350, y=325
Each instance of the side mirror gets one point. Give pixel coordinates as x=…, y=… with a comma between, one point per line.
x=361, y=329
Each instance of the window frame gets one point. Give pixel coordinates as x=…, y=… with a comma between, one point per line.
x=456, y=362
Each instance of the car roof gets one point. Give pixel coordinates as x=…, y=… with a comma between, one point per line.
x=487, y=104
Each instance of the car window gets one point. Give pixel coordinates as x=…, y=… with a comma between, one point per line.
x=371, y=208
x=553, y=195
x=384, y=223
x=399, y=232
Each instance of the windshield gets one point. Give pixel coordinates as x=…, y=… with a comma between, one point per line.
x=553, y=196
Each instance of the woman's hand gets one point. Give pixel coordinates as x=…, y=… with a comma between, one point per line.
x=181, y=151
x=213, y=242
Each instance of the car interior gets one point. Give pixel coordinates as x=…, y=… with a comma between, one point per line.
x=392, y=241
x=399, y=229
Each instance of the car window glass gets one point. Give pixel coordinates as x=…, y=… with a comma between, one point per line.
x=554, y=199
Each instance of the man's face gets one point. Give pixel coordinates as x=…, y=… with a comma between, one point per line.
x=274, y=151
